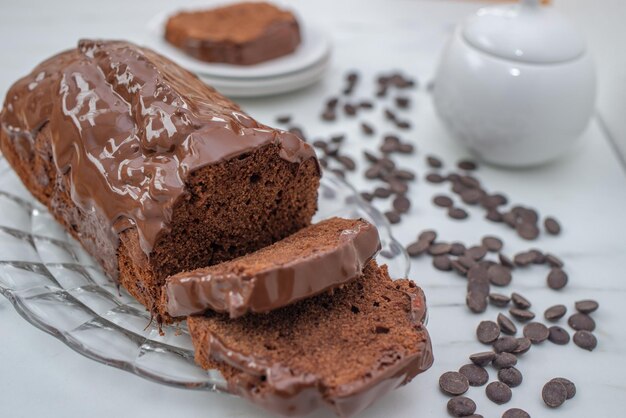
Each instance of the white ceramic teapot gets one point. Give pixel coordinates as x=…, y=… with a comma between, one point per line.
x=516, y=84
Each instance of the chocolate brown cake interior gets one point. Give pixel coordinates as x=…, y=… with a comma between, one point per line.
x=343, y=349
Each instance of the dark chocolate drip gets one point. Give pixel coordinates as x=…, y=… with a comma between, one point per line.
x=127, y=128
x=276, y=286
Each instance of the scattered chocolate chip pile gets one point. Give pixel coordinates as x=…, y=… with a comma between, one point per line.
x=484, y=266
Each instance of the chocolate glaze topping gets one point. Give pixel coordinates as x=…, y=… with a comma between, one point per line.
x=276, y=285
x=128, y=126
x=299, y=394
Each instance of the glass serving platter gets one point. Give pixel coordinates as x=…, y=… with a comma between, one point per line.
x=57, y=287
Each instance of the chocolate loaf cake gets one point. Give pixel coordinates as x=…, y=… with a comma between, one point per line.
x=241, y=34
x=150, y=169
x=341, y=351
x=314, y=259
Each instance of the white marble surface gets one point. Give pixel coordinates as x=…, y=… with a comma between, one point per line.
x=586, y=190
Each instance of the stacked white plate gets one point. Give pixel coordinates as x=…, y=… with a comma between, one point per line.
x=299, y=69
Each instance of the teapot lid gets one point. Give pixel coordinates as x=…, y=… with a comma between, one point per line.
x=524, y=32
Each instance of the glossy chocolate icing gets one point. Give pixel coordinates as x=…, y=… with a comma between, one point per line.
x=276, y=285
x=127, y=128
x=292, y=394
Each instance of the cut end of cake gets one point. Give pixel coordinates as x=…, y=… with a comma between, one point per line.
x=317, y=258
x=342, y=350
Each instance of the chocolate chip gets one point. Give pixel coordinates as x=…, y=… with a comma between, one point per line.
x=475, y=301
x=554, y=313
x=373, y=172
x=417, y=248
x=527, y=231
x=382, y=192
x=510, y=376
x=401, y=204
x=403, y=124
x=581, y=322
x=585, y=340
x=457, y=213
x=557, y=278
x=521, y=315
x=493, y=215
x=499, y=275
x=506, y=325
x=586, y=306
x=467, y=165
x=461, y=406
x=397, y=186
x=569, y=386
x=515, y=413
x=492, y=244
x=329, y=115
x=523, y=345
x=482, y=359
x=439, y=248
x=471, y=196
x=442, y=262
x=443, y=201
x=366, y=104
x=504, y=360
x=498, y=392
x=338, y=172
x=392, y=217
x=554, y=393
x=524, y=258
x=347, y=162
x=453, y=383
x=405, y=148
x=552, y=226
x=283, y=119
x=435, y=178
x=370, y=157
x=367, y=129
x=434, y=162
x=477, y=252
x=427, y=235
x=558, y=335
x=469, y=262
x=403, y=102
x=404, y=174
x=367, y=196
x=338, y=139
x=476, y=376
x=554, y=261
x=332, y=102
x=505, y=261
x=520, y=301
x=487, y=332
x=499, y=300
x=457, y=249
x=349, y=109
x=536, y=332
x=505, y=344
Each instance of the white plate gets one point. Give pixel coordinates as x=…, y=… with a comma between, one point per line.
x=314, y=48
x=268, y=85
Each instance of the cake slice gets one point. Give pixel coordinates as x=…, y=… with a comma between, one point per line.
x=314, y=259
x=153, y=171
x=242, y=33
x=340, y=350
